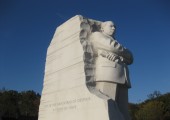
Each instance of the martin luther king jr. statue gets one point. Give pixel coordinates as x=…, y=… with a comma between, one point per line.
x=111, y=72
x=86, y=74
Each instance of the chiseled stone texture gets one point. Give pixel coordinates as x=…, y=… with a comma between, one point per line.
x=65, y=94
x=84, y=79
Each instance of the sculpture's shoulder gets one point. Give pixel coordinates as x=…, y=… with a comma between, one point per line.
x=96, y=35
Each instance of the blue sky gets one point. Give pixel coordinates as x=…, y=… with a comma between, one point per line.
x=27, y=27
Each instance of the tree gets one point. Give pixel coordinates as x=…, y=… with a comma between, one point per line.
x=151, y=111
x=133, y=108
x=8, y=104
x=166, y=100
x=154, y=95
x=19, y=106
x=29, y=103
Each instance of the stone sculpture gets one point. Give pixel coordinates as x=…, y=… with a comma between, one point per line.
x=86, y=74
x=111, y=72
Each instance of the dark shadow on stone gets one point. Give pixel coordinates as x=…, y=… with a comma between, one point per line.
x=111, y=109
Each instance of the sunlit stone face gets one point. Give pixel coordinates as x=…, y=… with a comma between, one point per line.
x=108, y=28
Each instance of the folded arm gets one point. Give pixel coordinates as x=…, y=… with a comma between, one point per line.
x=110, y=45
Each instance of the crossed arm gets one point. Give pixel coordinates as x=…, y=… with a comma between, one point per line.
x=111, y=49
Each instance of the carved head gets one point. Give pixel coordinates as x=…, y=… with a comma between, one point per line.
x=108, y=28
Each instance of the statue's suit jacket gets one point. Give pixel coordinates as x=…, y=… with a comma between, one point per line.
x=107, y=70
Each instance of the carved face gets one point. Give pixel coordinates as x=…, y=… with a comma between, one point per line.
x=108, y=28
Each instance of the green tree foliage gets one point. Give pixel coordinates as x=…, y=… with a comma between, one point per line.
x=154, y=95
x=29, y=103
x=156, y=107
x=8, y=104
x=14, y=105
x=133, y=108
x=150, y=111
x=166, y=100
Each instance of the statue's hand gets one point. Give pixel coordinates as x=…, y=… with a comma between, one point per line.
x=113, y=57
x=109, y=56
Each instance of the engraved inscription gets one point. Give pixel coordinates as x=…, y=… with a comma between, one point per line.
x=67, y=104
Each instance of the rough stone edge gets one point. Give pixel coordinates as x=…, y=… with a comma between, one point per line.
x=87, y=26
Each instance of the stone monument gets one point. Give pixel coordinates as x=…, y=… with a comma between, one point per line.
x=86, y=74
